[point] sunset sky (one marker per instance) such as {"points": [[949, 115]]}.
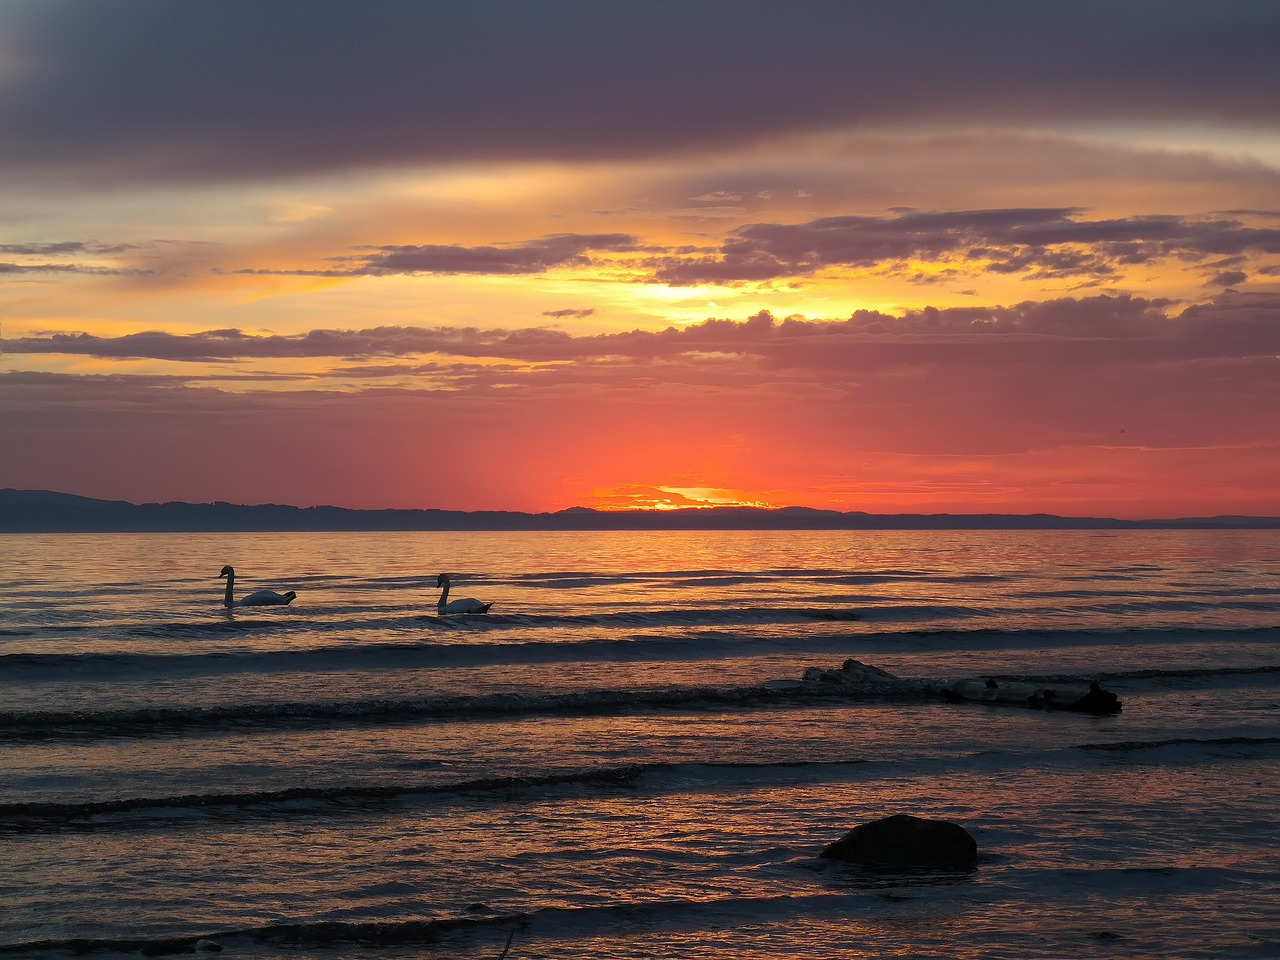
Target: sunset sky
{"points": [[893, 256]]}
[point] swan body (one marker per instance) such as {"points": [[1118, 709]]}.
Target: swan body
{"points": [[462, 605], [259, 598]]}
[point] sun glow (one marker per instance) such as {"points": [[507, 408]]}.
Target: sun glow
{"points": [[668, 498]]}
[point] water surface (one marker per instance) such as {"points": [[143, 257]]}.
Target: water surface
{"points": [[618, 760]]}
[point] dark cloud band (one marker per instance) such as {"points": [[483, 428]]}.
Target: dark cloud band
{"points": [[1239, 325], [150, 89]]}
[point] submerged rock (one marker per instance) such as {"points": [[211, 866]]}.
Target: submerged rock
{"points": [[1096, 700], [856, 675], [1076, 699], [906, 842]]}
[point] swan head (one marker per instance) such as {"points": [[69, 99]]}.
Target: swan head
{"points": [[227, 572], [442, 580]]}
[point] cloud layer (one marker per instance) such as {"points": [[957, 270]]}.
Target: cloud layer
{"points": [[154, 89], [1234, 326], [1040, 244]]}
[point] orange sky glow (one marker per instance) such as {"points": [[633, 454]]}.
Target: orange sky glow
{"points": [[447, 272]]}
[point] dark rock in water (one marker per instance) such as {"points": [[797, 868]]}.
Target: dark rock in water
{"points": [[857, 666], [857, 677], [851, 672], [1096, 700], [906, 842], [1073, 698]]}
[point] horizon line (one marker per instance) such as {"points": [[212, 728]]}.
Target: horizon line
{"points": [[49, 511]]}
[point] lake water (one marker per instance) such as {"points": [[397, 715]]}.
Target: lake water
{"points": [[618, 761]]}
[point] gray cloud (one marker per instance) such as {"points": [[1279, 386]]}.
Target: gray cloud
{"points": [[569, 314], [533, 257], [63, 247], [68, 249], [1043, 243], [87, 269], [154, 89], [1052, 242], [1232, 325], [229, 345]]}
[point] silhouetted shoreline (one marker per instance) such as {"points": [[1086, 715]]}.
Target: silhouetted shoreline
{"points": [[42, 511]]}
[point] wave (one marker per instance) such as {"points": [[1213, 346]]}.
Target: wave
{"points": [[160, 721], [1127, 746], [146, 812], [429, 647], [482, 928], [477, 927], [38, 816], [337, 622], [446, 645], [363, 620], [146, 722], [372, 933], [578, 579], [151, 722], [1150, 673]]}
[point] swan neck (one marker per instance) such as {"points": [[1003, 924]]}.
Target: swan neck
{"points": [[444, 596], [227, 600]]}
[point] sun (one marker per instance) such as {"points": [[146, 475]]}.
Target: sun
{"points": [[667, 498]]}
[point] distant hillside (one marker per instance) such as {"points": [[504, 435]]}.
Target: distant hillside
{"points": [[43, 511]]}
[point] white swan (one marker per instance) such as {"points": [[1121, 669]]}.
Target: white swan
{"points": [[465, 605], [260, 598]]}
